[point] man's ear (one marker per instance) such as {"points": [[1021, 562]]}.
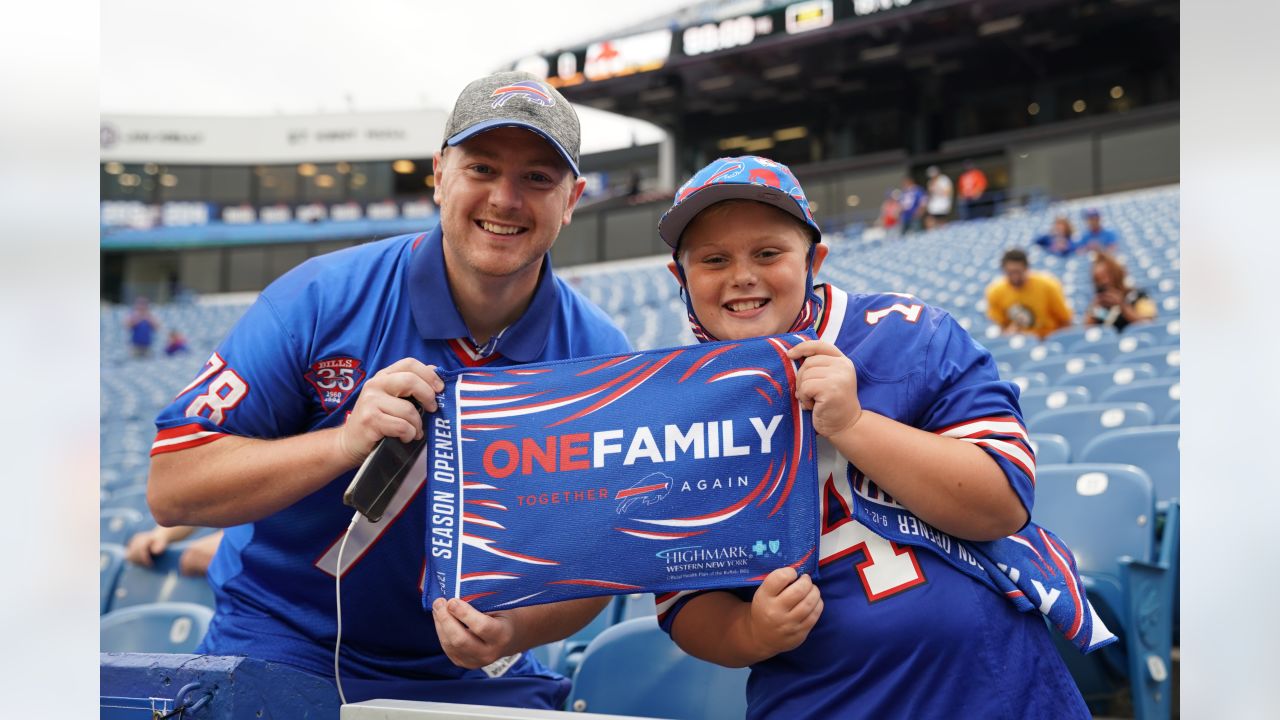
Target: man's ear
{"points": [[437, 170], [819, 254], [674, 272], [575, 192]]}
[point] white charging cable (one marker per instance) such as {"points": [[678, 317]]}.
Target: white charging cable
{"points": [[337, 591]]}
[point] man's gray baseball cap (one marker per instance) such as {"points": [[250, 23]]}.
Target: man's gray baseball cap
{"points": [[516, 99]]}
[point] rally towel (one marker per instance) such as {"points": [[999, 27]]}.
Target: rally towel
{"points": [[1033, 568], [673, 469]]}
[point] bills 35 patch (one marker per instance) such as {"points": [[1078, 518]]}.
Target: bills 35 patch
{"points": [[333, 380], [674, 469]]}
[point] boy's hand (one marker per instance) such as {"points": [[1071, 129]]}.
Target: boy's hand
{"points": [[827, 384], [783, 611]]}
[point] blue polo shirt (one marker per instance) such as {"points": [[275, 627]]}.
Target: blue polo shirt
{"points": [[295, 363]]}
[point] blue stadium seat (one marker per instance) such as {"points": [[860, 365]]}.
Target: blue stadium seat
{"points": [[133, 497], [1162, 394], [155, 628], [1156, 449], [1069, 336], [1106, 515], [1099, 379], [118, 525], [110, 561], [160, 583], [1081, 423], [1063, 365], [1019, 356], [637, 605], [1002, 342], [1050, 448], [1173, 415], [1114, 347], [1038, 400], [564, 655], [633, 668], [1166, 359], [1028, 380]]}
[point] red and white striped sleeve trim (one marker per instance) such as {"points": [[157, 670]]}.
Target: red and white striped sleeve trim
{"points": [[1004, 436], [183, 437], [665, 601]]}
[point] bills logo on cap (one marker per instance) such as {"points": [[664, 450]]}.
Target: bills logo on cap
{"points": [[527, 89], [719, 175]]}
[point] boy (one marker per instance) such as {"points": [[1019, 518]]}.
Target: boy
{"points": [[911, 414]]}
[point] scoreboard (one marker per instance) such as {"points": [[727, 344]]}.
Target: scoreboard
{"points": [[735, 25]]}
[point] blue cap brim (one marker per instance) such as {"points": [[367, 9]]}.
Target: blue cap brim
{"points": [[487, 125]]}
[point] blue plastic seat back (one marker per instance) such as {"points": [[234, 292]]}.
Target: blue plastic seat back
{"points": [[1081, 423], [1027, 380], [1155, 449], [1101, 378], [110, 562], [1050, 449], [1072, 335], [1114, 347], [633, 668], [1161, 394], [161, 582], [133, 497], [155, 628], [1037, 400], [1166, 359], [1019, 356], [1103, 512], [1061, 366], [119, 524]]}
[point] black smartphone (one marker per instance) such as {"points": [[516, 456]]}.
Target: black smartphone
{"points": [[382, 473]]}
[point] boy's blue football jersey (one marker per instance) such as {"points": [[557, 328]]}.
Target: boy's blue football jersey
{"points": [[295, 363], [903, 632]]}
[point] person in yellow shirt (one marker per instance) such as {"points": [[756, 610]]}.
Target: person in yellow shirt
{"points": [[1024, 301]]}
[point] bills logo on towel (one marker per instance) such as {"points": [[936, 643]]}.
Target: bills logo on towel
{"points": [[675, 469]]}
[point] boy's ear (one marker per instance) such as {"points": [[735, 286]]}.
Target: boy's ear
{"points": [[819, 254], [674, 272]]}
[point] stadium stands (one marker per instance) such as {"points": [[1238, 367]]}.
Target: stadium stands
{"points": [[110, 561], [1155, 449], [949, 267]]}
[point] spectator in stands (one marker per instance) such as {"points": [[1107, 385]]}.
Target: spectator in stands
{"points": [[856, 643], [1116, 302], [1096, 237], [142, 326], [912, 200], [972, 185], [1060, 240], [890, 210], [194, 561], [331, 359], [1025, 301], [176, 344], [940, 194]]}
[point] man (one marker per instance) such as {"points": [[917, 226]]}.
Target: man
{"points": [[1025, 301], [939, 203], [325, 364], [1097, 237], [912, 201], [972, 184]]}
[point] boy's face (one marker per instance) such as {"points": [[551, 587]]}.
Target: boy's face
{"points": [[745, 267]]}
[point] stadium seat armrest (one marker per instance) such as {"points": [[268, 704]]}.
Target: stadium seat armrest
{"points": [[1149, 623]]}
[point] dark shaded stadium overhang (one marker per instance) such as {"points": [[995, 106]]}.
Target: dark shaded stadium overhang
{"points": [[848, 77]]}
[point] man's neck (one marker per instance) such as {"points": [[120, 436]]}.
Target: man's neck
{"points": [[490, 304]]}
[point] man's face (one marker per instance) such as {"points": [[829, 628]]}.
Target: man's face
{"points": [[1094, 222], [1015, 272], [745, 268], [503, 196]]}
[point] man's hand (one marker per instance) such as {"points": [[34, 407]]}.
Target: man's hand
{"points": [[383, 408], [783, 611], [469, 637], [194, 561], [827, 384]]}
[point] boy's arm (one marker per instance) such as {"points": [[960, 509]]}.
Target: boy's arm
{"points": [[950, 484], [720, 628]]}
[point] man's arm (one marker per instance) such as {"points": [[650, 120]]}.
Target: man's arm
{"points": [[237, 480], [473, 639]]}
